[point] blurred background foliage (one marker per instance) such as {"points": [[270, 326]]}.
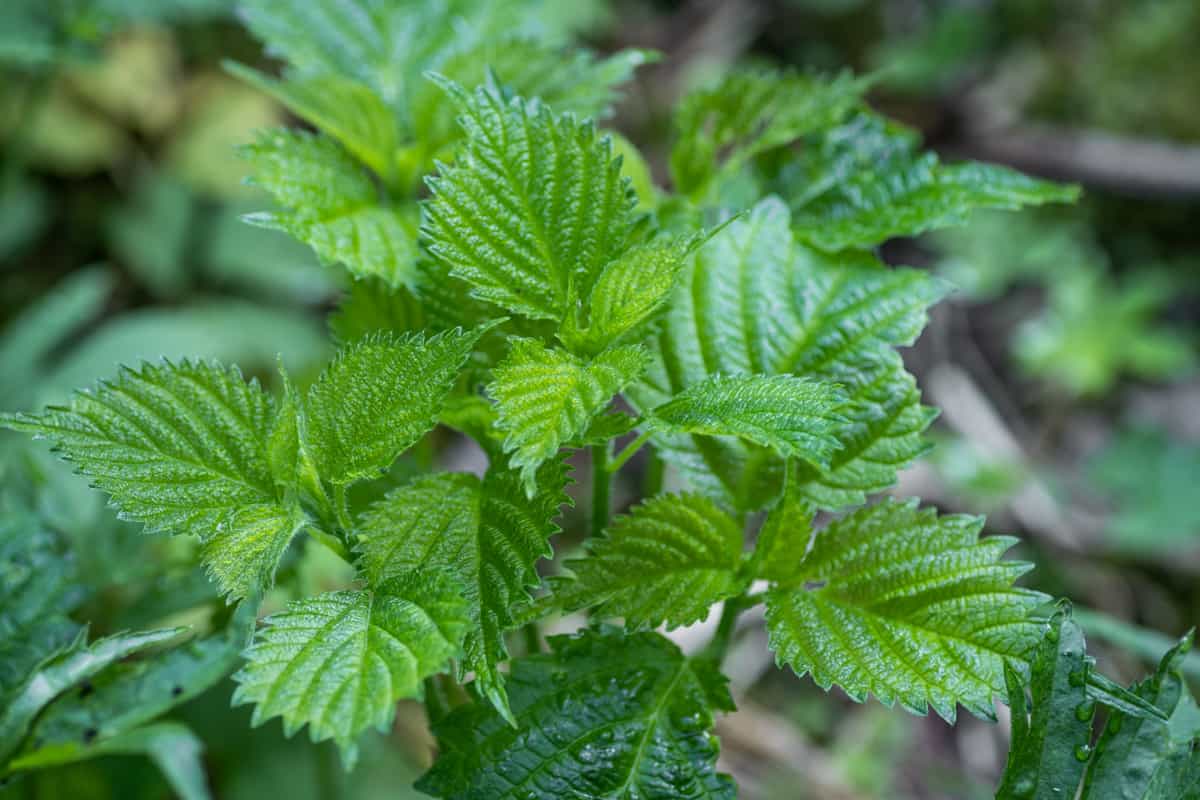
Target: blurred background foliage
{"points": [[1065, 362]]}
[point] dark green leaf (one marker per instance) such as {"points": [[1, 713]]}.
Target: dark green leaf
{"points": [[606, 714]]}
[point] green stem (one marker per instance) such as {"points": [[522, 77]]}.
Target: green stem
{"points": [[719, 645], [329, 772], [329, 540], [437, 704], [629, 451], [341, 507], [751, 600], [1146, 644], [532, 637], [652, 480], [601, 488]]}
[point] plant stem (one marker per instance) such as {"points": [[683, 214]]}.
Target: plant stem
{"points": [[329, 540], [652, 480], [532, 637], [329, 771], [719, 645], [629, 451], [601, 488], [1148, 645], [437, 705], [340, 507]]}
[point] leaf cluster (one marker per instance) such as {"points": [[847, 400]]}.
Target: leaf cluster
{"points": [[739, 326]]}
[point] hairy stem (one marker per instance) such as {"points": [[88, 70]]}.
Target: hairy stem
{"points": [[329, 540], [341, 507], [601, 488]]}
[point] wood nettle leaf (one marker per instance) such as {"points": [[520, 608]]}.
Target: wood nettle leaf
{"points": [[895, 601], [867, 181], [331, 204], [244, 552], [378, 396], [488, 533], [566, 79], [339, 662], [753, 301], [669, 560], [630, 293], [605, 714], [533, 208], [348, 111], [126, 695], [1143, 758], [38, 589], [63, 670], [1145, 750], [545, 397], [795, 417], [1042, 760], [719, 128], [178, 447]]}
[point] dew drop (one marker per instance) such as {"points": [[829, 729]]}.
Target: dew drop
{"points": [[1052, 634], [1083, 752], [1085, 710], [1077, 678], [1024, 787]]}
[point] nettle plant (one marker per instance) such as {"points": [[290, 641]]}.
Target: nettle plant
{"points": [[513, 285]]}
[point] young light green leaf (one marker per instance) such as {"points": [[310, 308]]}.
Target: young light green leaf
{"points": [[547, 397], [242, 555], [605, 714], [630, 292], [378, 396], [339, 662], [533, 208], [783, 539], [753, 301], [179, 447], [333, 206], [668, 561], [422, 525], [489, 534], [894, 601], [795, 417], [750, 112], [867, 181], [1042, 762]]}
